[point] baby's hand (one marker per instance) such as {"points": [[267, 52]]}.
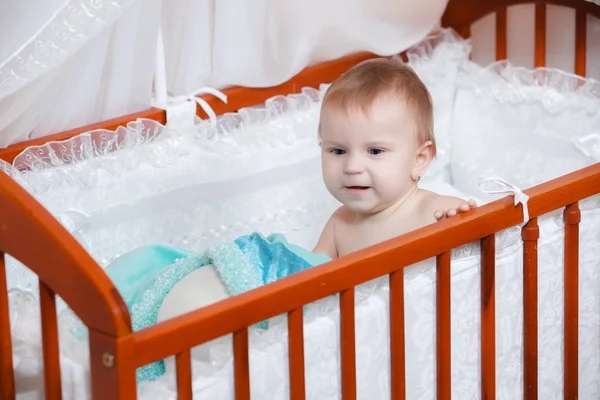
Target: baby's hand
{"points": [[462, 208]]}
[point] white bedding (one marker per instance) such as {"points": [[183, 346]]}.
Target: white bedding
{"points": [[192, 188]]}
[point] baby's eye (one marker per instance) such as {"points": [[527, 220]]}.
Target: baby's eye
{"points": [[338, 152], [375, 152]]}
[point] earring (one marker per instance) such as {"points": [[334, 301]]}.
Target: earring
{"points": [[418, 178]]}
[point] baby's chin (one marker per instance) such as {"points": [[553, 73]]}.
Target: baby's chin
{"points": [[364, 208]]}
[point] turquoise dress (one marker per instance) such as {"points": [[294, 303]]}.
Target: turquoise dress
{"points": [[146, 275]]}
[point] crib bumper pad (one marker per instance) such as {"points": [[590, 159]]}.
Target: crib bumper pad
{"points": [[146, 275]]}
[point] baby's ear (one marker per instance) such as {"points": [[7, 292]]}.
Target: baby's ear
{"points": [[423, 158]]}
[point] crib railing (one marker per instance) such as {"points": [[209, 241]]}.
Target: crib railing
{"points": [[461, 14], [28, 232], [116, 352], [342, 275]]}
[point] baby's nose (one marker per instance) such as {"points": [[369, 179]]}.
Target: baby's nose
{"points": [[354, 165]]}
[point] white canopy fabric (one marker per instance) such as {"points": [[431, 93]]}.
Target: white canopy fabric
{"points": [[67, 63]]}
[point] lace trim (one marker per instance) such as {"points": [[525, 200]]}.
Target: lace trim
{"points": [[68, 29], [445, 43], [88, 145], [8, 169], [552, 88]]}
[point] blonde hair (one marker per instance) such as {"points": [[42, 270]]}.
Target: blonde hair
{"points": [[366, 82]]}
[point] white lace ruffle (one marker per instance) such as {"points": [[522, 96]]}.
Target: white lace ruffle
{"points": [[69, 28], [554, 89], [446, 45], [87, 146], [8, 169]]}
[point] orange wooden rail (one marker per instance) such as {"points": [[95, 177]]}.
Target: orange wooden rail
{"points": [[115, 356], [343, 274], [116, 352], [572, 217], [442, 332], [397, 334], [488, 317], [7, 384], [530, 235]]}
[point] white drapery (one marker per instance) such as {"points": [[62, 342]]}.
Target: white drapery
{"points": [[72, 63], [67, 63]]}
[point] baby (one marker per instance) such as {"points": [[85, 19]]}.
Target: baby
{"points": [[376, 133]]}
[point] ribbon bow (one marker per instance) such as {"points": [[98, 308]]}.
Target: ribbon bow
{"points": [[505, 187], [192, 97], [182, 109], [203, 104]]}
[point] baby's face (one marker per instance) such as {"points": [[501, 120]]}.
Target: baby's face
{"points": [[367, 160]]}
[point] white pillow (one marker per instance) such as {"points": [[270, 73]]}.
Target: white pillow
{"points": [[520, 124]]}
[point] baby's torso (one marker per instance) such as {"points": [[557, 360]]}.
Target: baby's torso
{"points": [[351, 237]]}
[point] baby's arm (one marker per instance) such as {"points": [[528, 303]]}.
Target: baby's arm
{"points": [[326, 243], [448, 206]]}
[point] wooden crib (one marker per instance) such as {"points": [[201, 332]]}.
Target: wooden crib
{"points": [[116, 351]]}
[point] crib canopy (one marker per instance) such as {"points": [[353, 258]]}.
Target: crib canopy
{"points": [[68, 63]]}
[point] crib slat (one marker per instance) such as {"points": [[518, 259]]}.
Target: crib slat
{"points": [[241, 365], [296, 354], [443, 363], [580, 42], [7, 378], [501, 34], [348, 349], [488, 318], [571, 218], [50, 344], [397, 352], [530, 235], [183, 365], [540, 35]]}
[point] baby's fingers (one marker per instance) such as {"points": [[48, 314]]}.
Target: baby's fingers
{"points": [[465, 207], [438, 215]]}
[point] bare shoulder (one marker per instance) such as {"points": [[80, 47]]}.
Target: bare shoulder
{"points": [[434, 201], [326, 244], [448, 202], [445, 206]]}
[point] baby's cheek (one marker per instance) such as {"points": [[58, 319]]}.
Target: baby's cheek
{"points": [[331, 170]]}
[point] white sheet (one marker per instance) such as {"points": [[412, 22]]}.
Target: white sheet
{"points": [[164, 187]]}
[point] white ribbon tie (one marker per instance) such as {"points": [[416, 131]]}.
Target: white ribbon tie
{"points": [[181, 110], [203, 104], [507, 188]]}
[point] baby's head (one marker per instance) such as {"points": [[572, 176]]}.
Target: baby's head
{"points": [[376, 133]]}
